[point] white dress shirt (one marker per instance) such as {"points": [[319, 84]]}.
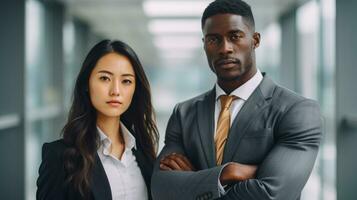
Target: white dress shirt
{"points": [[124, 176], [243, 93]]}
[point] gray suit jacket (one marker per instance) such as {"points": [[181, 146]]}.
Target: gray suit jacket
{"points": [[276, 129]]}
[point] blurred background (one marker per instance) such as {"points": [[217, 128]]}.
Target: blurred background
{"points": [[307, 46]]}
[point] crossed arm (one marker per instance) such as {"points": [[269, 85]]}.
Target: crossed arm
{"points": [[232, 172], [281, 176]]}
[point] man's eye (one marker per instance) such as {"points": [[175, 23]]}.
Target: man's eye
{"points": [[212, 40], [236, 36]]}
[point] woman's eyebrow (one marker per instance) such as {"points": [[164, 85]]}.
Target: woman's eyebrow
{"points": [[105, 71], [128, 75]]}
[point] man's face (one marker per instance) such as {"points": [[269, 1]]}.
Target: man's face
{"points": [[229, 43]]}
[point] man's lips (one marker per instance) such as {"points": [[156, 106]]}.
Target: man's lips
{"points": [[227, 62]]}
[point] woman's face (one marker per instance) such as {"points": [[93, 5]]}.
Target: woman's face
{"points": [[112, 85]]}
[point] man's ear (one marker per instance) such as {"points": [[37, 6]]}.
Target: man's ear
{"points": [[256, 39]]}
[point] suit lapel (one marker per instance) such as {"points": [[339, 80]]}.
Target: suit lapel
{"points": [[100, 184], [252, 107], [205, 112]]}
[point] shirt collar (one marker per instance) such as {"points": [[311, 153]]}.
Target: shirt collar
{"points": [[129, 139], [245, 90]]}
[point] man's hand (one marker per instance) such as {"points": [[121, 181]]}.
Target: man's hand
{"points": [[234, 172], [176, 161]]}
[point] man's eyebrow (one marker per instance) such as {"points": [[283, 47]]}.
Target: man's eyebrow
{"points": [[211, 34], [230, 32], [236, 31]]}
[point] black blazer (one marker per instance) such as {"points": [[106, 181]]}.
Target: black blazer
{"points": [[51, 181]]}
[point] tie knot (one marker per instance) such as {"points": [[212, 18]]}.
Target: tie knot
{"points": [[226, 101]]}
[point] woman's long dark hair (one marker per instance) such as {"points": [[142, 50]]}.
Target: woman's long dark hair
{"points": [[80, 133]]}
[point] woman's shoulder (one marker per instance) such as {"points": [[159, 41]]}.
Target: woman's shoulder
{"points": [[56, 147]]}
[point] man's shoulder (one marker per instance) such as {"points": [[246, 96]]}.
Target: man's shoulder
{"points": [[287, 95], [189, 107], [286, 98], [194, 100]]}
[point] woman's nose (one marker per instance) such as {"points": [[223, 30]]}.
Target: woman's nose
{"points": [[115, 89]]}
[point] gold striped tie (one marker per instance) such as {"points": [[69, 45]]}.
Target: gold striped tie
{"points": [[223, 126]]}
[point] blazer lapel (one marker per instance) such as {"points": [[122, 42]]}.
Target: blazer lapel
{"points": [[145, 166], [100, 184], [252, 107], [205, 112]]}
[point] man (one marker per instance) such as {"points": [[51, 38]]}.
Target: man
{"points": [[247, 138]]}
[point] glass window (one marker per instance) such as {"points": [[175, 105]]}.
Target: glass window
{"points": [[42, 93], [316, 58], [268, 53]]}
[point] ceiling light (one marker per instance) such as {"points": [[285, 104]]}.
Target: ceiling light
{"points": [[159, 26], [178, 41], [174, 8], [174, 54]]}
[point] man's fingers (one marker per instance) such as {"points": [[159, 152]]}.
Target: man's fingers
{"points": [[188, 163], [252, 169], [170, 163], [177, 162], [180, 162], [246, 171], [165, 167]]}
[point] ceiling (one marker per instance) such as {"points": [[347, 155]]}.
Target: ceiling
{"points": [[162, 36]]}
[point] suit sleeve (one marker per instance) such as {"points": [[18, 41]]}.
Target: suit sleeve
{"points": [[50, 183], [177, 185], [284, 172]]}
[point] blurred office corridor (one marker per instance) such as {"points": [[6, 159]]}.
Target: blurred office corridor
{"points": [[307, 46]]}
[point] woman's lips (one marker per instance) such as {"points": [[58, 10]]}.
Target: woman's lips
{"points": [[114, 103]]}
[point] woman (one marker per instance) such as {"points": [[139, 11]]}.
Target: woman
{"points": [[109, 142]]}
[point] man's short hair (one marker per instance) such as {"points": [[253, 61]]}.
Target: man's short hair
{"points": [[237, 7]]}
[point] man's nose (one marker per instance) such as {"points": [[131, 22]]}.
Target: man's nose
{"points": [[226, 47]]}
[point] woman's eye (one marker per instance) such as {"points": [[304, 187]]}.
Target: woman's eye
{"points": [[104, 78], [127, 81]]}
